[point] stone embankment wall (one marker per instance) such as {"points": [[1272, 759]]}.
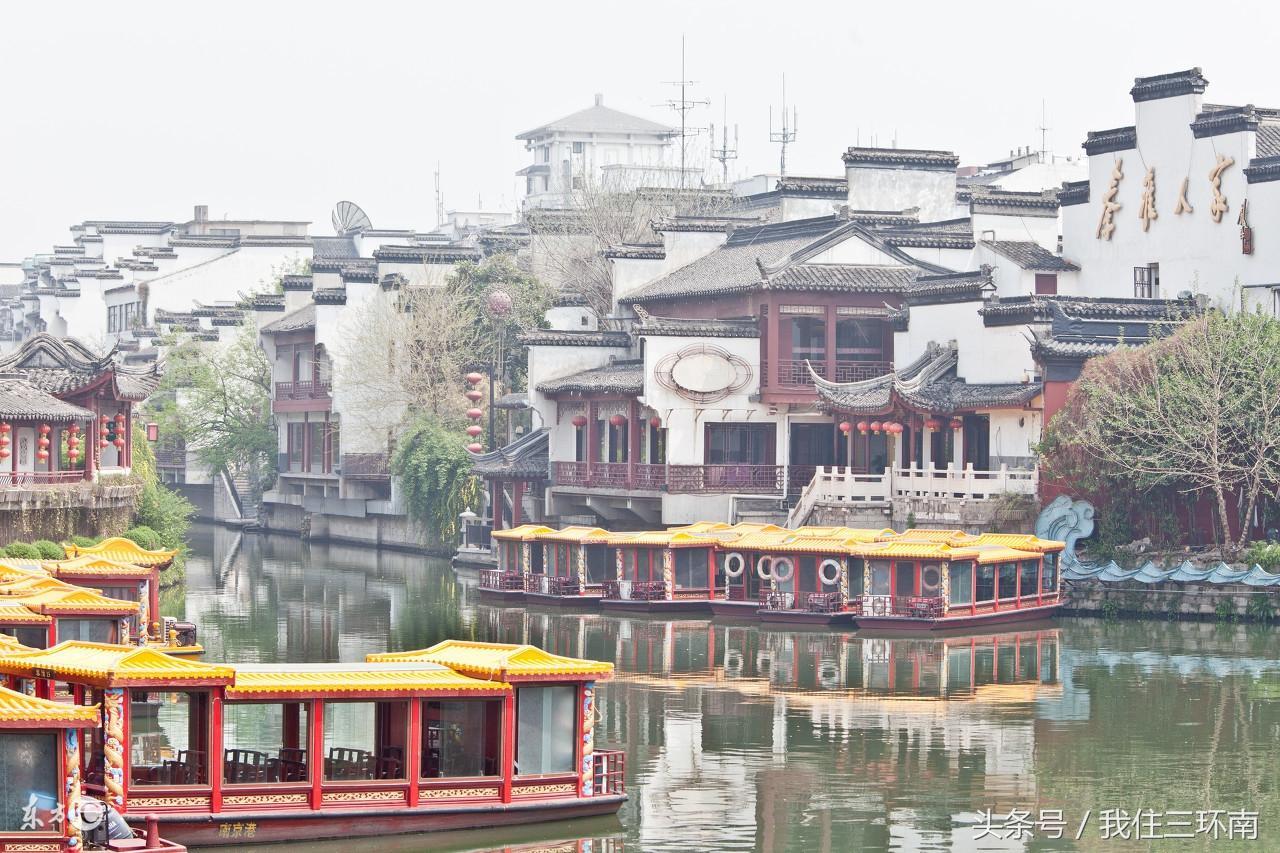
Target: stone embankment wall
{"points": [[1193, 601], [377, 531], [971, 516], [56, 512]]}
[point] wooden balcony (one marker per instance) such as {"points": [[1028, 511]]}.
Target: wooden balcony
{"points": [[611, 475], [793, 374], [23, 479], [675, 479], [366, 466], [309, 396]]}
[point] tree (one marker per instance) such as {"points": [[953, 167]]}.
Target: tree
{"points": [[498, 341], [1196, 412], [219, 402], [567, 246], [435, 470]]}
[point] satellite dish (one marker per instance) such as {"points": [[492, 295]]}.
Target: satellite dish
{"points": [[348, 218]]}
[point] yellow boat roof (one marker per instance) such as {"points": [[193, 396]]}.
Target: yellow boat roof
{"points": [[408, 678], [77, 599], [1000, 554], [576, 534], [922, 534], [17, 710], [108, 665], [660, 538], [14, 613], [93, 565], [1020, 542], [522, 533], [124, 551], [9, 645], [501, 661]]}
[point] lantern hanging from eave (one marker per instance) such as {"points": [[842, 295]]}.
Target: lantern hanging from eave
{"points": [[933, 424], [863, 426], [4, 451], [846, 427], [579, 421], [119, 442], [474, 378], [5, 428], [618, 420], [957, 423], [875, 426], [45, 429], [655, 422]]}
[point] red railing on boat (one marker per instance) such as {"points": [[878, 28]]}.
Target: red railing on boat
{"points": [[634, 590], [507, 581], [550, 585], [808, 602], [913, 606], [609, 772]]}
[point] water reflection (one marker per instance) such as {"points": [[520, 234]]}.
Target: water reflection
{"points": [[739, 738]]}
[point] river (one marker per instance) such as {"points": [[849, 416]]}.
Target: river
{"points": [[739, 738]]}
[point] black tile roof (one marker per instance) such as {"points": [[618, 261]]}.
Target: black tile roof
{"points": [[527, 457], [990, 200], [947, 234], [330, 296], [928, 385], [513, 400], [1020, 310], [844, 278], [1031, 256], [690, 327], [296, 282], [966, 286], [63, 365], [637, 251], [813, 186], [426, 254], [209, 241], [334, 247], [1074, 192], [1263, 169], [617, 377], [1115, 139], [20, 400], [902, 158], [344, 266], [562, 338], [1191, 81]]}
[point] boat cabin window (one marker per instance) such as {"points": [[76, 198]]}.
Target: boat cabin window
{"points": [[31, 636], [89, 630], [559, 559], [29, 794], [461, 738], [510, 554], [1049, 577], [690, 567], [807, 573], [1007, 579], [601, 563], [365, 740], [880, 577], [536, 564], [641, 564], [1027, 578], [961, 583], [986, 591], [168, 738], [904, 578], [931, 580], [265, 742], [546, 730], [856, 576]]}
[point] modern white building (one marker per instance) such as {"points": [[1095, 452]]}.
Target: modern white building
{"points": [[598, 147]]}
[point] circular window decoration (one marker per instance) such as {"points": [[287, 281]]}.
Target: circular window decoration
{"points": [[930, 578], [703, 373], [783, 570], [764, 568], [734, 564], [829, 571]]}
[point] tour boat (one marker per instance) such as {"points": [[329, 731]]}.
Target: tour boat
{"points": [[460, 735], [576, 561], [519, 558]]}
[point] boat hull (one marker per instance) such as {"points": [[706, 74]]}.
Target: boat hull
{"points": [[564, 602], [662, 605], [227, 828], [803, 617], [502, 596], [895, 624]]}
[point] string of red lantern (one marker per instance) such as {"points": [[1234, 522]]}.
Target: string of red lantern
{"points": [[474, 394]]}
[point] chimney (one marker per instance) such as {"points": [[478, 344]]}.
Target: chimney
{"points": [[599, 100], [202, 213]]}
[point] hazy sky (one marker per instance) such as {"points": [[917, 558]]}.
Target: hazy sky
{"points": [[277, 110]]}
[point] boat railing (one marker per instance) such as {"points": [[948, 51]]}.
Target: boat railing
{"points": [[552, 585], [926, 607], [609, 771], [810, 602], [649, 591], [491, 579], [735, 593]]}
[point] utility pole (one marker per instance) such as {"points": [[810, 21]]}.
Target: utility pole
{"points": [[439, 198], [787, 133], [1044, 132], [724, 153], [683, 105]]}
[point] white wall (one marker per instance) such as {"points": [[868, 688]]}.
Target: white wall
{"points": [[549, 362], [932, 191]]}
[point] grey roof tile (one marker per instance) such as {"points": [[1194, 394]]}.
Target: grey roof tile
{"points": [[618, 377], [1031, 256], [599, 119], [297, 321], [526, 457]]}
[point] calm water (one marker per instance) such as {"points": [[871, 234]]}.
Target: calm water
{"points": [[743, 739]]}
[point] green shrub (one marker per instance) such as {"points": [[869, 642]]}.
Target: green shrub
{"points": [[1225, 610], [22, 551], [1261, 608], [1265, 554], [49, 550], [3, 553], [143, 537], [85, 541]]}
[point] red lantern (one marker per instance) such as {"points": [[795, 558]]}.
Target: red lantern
{"points": [[4, 428], [875, 426], [72, 442], [73, 454], [42, 454], [474, 395], [846, 427], [863, 426], [475, 447], [655, 422], [474, 430], [474, 414], [956, 423], [45, 429], [474, 378], [933, 424], [618, 420], [579, 421], [4, 453], [897, 428], [103, 443], [119, 444]]}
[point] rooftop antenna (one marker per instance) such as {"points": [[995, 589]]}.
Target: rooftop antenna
{"points": [[787, 133], [684, 105], [439, 198], [724, 153], [1044, 131]]}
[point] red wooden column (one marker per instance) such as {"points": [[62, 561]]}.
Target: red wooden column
{"points": [[316, 736], [413, 761], [215, 750], [508, 745], [633, 441], [711, 573], [517, 500], [769, 330], [830, 321]]}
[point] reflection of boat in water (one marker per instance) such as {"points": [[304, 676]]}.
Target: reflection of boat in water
{"points": [[917, 580], [404, 742]]}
